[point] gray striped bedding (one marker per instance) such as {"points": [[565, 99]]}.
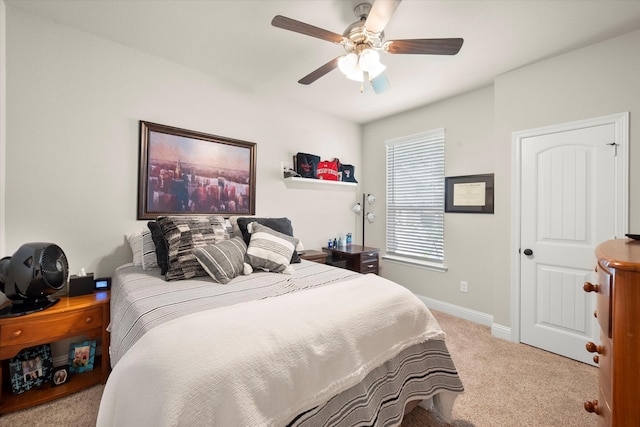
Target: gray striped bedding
{"points": [[142, 299]]}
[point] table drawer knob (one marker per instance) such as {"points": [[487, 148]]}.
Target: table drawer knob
{"points": [[17, 333], [590, 287], [592, 406], [593, 348]]}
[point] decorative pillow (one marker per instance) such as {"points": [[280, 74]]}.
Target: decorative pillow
{"points": [[282, 225], [223, 261], [183, 234], [162, 248], [269, 249]]}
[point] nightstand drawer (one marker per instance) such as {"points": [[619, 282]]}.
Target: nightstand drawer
{"points": [[40, 328], [369, 267]]}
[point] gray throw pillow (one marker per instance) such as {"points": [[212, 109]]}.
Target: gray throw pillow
{"points": [[224, 260]]}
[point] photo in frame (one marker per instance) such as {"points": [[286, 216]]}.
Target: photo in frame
{"points": [[469, 194], [82, 356], [184, 172], [30, 369], [60, 375]]}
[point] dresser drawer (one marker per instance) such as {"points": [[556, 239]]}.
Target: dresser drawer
{"points": [[604, 300], [37, 329]]}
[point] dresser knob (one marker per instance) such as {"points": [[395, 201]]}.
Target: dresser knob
{"points": [[17, 333], [592, 406], [596, 359], [593, 348], [590, 287], [595, 314], [88, 319]]}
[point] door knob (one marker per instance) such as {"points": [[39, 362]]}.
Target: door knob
{"points": [[528, 252]]}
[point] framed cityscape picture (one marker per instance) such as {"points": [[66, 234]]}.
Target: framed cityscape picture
{"points": [[184, 172]]}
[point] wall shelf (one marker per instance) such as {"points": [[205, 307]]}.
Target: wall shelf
{"points": [[312, 181]]}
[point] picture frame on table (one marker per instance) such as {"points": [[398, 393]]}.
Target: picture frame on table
{"points": [[81, 356], [59, 375], [184, 172], [469, 194], [30, 369]]}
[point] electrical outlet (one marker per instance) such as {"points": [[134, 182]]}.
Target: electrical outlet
{"points": [[464, 286]]}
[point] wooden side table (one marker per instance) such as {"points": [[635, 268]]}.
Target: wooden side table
{"points": [[362, 259], [315, 256], [86, 315]]}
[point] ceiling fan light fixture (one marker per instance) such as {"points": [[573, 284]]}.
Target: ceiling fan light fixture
{"points": [[368, 59], [348, 64]]}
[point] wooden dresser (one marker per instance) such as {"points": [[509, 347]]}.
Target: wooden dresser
{"points": [[618, 313], [362, 259]]}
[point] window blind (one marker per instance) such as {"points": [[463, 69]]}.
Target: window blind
{"points": [[415, 196]]}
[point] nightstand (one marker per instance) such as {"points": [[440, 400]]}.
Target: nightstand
{"points": [[362, 259], [315, 256], [86, 315]]}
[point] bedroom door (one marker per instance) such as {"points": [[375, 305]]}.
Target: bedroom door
{"points": [[571, 197]]}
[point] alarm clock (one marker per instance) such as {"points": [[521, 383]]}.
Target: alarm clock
{"points": [[102, 283]]}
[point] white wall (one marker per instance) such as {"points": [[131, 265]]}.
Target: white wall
{"points": [[595, 81], [469, 150], [73, 105]]}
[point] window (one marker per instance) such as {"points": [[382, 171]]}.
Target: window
{"points": [[415, 198]]}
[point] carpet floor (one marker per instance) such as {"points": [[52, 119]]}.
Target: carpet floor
{"points": [[506, 384]]}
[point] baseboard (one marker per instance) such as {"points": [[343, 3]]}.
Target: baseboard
{"points": [[498, 331]]}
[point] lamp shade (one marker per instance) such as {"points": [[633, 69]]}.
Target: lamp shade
{"points": [[349, 66]]}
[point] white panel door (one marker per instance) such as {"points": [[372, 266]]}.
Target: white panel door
{"points": [[567, 208]]}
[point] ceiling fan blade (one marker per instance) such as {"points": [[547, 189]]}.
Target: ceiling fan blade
{"points": [[306, 29], [380, 14], [380, 83], [424, 46], [319, 72]]}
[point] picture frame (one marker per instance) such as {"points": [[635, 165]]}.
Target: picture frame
{"points": [[59, 375], [81, 356], [184, 172], [469, 194], [30, 369]]}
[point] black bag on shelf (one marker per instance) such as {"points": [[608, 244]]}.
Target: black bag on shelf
{"points": [[306, 164], [348, 173]]}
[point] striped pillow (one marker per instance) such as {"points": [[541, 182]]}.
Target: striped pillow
{"points": [[222, 261], [183, 234], [270, 250], [149, 258]]}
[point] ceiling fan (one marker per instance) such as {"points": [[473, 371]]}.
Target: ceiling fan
{"points": [[363, 40]]}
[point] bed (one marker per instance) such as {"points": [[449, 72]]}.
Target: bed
{"points": [[319, 346]]}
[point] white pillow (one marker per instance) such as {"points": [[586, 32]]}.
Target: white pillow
{"points": [[135, 242]]}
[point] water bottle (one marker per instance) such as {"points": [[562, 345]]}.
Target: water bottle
{"points": [[330, 244]]}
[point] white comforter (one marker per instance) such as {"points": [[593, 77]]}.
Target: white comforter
{"points": [[263, 362]]}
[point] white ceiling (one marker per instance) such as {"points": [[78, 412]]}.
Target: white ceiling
{"points": [[234, 41]]}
